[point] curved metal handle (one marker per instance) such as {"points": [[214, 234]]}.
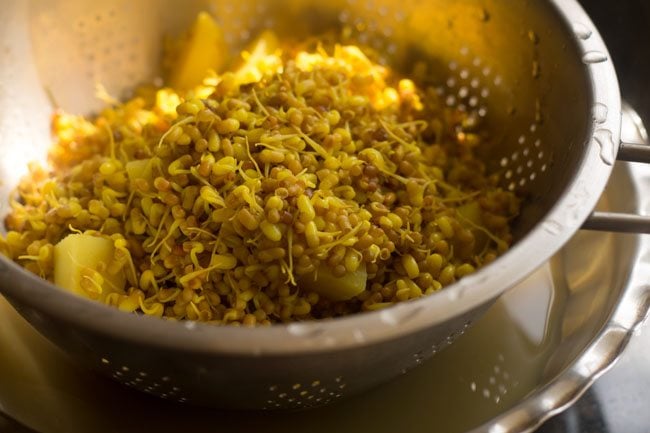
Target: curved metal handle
{"points": [[635, 148], [631, 152], [617, 222]]}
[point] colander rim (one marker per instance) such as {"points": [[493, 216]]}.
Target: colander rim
{"points": [[472, 292]]}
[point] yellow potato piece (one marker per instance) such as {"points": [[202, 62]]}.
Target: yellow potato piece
{"points": [[472, 213], [139, 169], [204, 50], [167, 101], [335, 288], [260, 57], [80, 263]]}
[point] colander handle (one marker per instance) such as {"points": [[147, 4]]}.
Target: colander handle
{"points": [[628, 152], [618, 222], [631, 152]]}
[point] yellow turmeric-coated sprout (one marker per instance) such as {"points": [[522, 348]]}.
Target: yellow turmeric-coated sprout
{"points": [[299, 184]]}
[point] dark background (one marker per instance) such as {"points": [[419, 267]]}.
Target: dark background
{"points": [[625, 26]]}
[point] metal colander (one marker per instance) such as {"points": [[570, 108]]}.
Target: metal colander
{"points": [[536, 72]]}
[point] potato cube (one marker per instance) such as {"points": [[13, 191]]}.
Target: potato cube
{"points": [[260, 58], [335, 288], [472, 218], [139, 169], [80, 263], [203, 50]]}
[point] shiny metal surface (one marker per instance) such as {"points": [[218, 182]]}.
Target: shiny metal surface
{"points": [[618, 222], [634, 152], [589, 355], [634, 149], [553, 111], [617, 403]]}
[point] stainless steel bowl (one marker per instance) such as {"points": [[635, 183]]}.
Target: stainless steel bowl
{"points": [[539, 74]]}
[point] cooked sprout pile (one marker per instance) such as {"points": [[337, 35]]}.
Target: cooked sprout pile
{"points": [[301, 184]]}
